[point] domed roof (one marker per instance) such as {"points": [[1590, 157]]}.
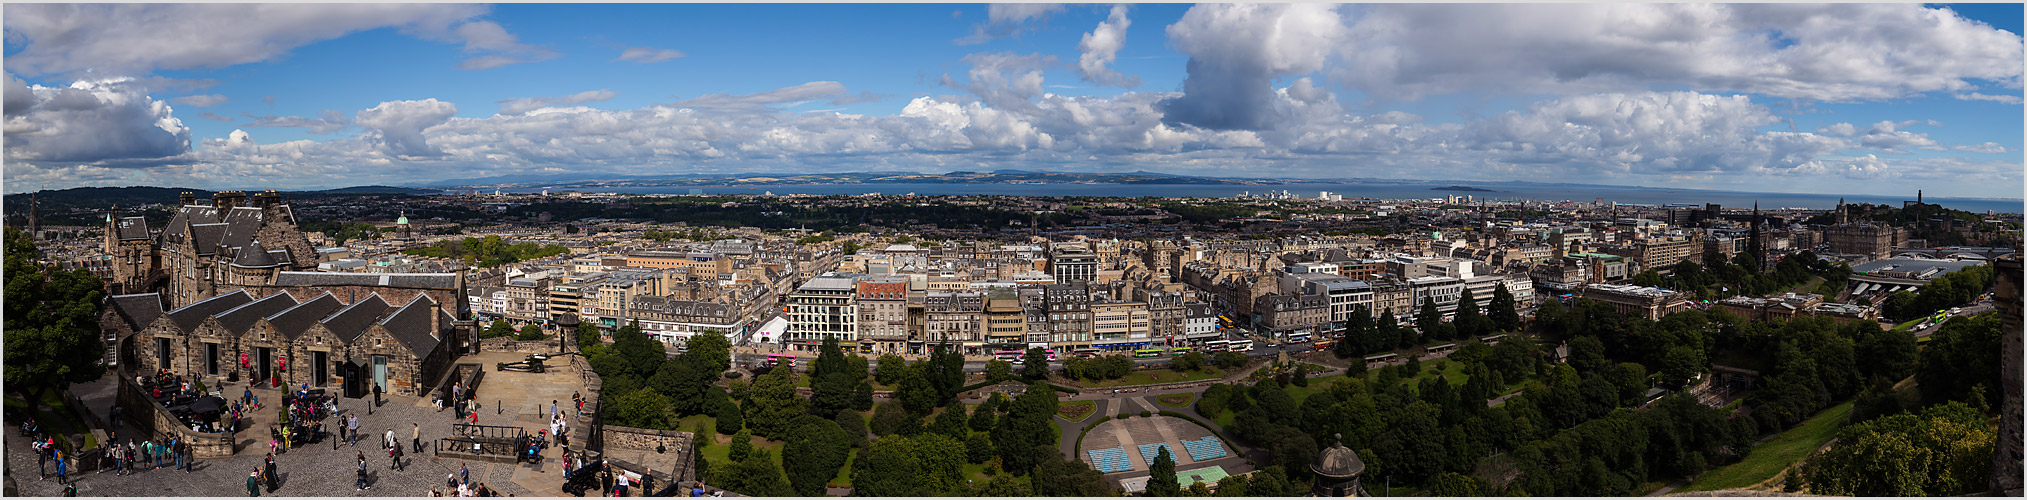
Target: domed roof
{"points": [[1337, 461], [403, 219]]}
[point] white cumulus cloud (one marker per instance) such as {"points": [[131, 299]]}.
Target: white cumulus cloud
{"points": [[397, 126], [520, 105], [90, 121], [1100, 49]]}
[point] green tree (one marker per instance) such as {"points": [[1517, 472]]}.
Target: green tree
{"points": [[708, 353], [951, 423], [816, 448], [942, 458], [730, 417], [1027, 428], [887, 468], [1504, 311], [917, 393], [997, 370], [1945, 450], [985, 414], [1429, 320], [643, 408], [500, 328], [977, 448], [1162, 482], [757, 475], [1056, 477], [742, 445], [1035, 363], [854, 426], [1961, 357], [1469, 323], [774, 404], [1451, 484], [52, 331], [893, 368], [832, 386]]}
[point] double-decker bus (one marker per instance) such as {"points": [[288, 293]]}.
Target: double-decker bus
{"points": [[1179, 351], [1324, 345], [1146, 353], [1298, 338], [1217, 345], [1086, 353], [1241, 345], [781, 359], [1008, 355]]}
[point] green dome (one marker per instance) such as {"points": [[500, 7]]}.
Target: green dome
{"points": [[402, 220]]}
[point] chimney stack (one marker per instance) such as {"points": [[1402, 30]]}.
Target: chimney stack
{"points": [[187, 198]]}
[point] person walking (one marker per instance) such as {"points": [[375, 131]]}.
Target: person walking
{"points": [[647, 482], [42, 460], [352, 424], [253, 483], [62, 470], [176, 448], [415, 436], [186, 458], [361, 471], [341, 434], [272, 482]]}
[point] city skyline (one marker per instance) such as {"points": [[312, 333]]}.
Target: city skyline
{"points": [[1820, 98]]}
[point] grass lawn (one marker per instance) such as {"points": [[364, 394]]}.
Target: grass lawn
{"points": [[1225, 419], [1162, 376], [975, 472], [1076, 411], [1176, 400], [63, 425], [1770, 458]]}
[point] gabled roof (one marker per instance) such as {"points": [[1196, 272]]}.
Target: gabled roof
{"points": [[240, 225], [205, 237], [132, 228], [292, 322], [411, 326], [187, 317], [349, 322], [139, 309], [238, 319]]}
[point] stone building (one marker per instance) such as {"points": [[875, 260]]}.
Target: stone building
{"points": [[1286, 314], [323, 342], [207, 250], [1646, 302], [883, 314]]}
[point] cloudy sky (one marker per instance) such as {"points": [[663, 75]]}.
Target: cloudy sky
{"points": [[1872, 98]]}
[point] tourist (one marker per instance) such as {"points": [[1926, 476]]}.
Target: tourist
{"points": [[552, 409], [352, 429], [272, 483], [619, 484], [41, 458], [361, 471], [186, 457], [253, 483], [415, 436], [647, 482], [148, 454], [62, 472], [176, 448]]}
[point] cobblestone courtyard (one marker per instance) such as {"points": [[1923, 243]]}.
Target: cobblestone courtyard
{"points": [[317, 469]]}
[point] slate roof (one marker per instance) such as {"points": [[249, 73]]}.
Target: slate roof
{"points": [[187, 317], [280, 256], [139, 309], [205, 237], [351, 321], [240, 225], [133, 228], [410, 324], [238, 319], [292, 322], [440, 281], [254, 256]]}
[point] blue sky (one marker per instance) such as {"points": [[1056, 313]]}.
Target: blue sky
{"points": [[1797, 98]]}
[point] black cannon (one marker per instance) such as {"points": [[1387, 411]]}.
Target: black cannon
{"points": [[532, 364], [583, 478]]}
